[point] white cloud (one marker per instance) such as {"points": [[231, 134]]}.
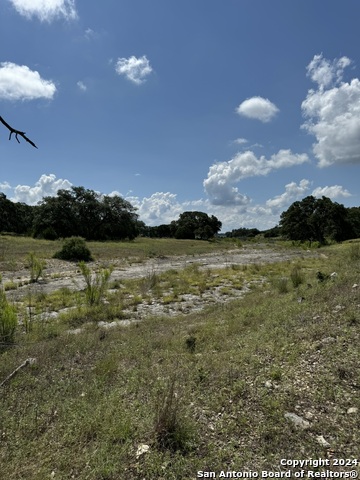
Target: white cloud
{"points": [[292, 193], [333, 114], [46, 186], [240, 141], [46, 10], [134, 69], [334, 191], [258, 108], [81, 86], [5, 186], [325, 72], [18, 82], [159, 208], [223, 175]]}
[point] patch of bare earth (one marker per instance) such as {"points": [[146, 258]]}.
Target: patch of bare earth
{"points": [[59, 274]]}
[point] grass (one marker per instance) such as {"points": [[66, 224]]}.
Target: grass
{"points": [[16, 249], [194, 389]]}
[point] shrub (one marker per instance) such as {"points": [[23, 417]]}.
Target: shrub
{"points": [[282, 285], [296, 276], [49, 233], [96, 284], [36, 267], [74, 250], [8, 320]]}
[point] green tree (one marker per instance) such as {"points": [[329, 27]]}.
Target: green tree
{"points": [[195, 225], [118, 219], [315, 219], [354, 220], [84, 213], [15, 217]]}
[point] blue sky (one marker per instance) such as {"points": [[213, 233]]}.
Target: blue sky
{"points": [[236, 108]]}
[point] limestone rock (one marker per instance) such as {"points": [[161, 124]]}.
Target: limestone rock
{"points": [[297, 420]]}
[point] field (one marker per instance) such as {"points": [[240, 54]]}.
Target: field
{"points": [[235, 384]]}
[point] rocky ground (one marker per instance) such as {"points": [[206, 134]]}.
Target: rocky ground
{"points": [[59, 274]]}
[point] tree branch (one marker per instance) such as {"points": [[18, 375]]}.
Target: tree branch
{"points": [[17, 132], [28, 361]]}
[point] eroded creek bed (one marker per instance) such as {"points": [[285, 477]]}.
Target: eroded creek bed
{"points": [[65, 275]]}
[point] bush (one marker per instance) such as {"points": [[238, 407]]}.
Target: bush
{"points": [[282, 285], [36, 267], [296, 276], [74, 250], [96, 285], [8, 321]]}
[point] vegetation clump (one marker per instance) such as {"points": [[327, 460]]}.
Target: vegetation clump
{"points": [[74, 250], [8, 321], [96, 284], [36, 267]]}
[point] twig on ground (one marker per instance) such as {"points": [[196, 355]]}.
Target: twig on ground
{"points": [[28, 361]]}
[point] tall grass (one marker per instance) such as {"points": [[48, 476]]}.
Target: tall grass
{"points": [[36, 266], [8, 321], [96, 283]]}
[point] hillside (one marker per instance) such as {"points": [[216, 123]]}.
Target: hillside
{"points": [[236, 386]]}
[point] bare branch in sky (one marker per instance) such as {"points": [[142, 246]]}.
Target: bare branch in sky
{"points": [[17, 132]]}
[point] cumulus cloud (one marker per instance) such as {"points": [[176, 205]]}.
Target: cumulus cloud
{"points": [[332, 113], [46, 10], [46, 186], [134, 69], [334, 191], [325, 72], [159, 208], [18, 82], [223, 175], [293, 192], [258, 108], [5, 186]]}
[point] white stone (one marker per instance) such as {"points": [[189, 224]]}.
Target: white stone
{"points": [[297, 421], [321, 441], [143, 448]]}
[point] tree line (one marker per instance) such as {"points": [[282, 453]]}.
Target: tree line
{"points": [[88, 214], [81, 212]]}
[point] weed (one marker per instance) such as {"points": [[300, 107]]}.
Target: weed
{"points": [[148, 283], [96, 284], [296, 276], [190, 343], [36, 267], [8, 321], [10, 286], [171, 431], [282, 284]]}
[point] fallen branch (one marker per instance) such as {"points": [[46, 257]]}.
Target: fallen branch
{"points": [[17, 132], [28, 361]]}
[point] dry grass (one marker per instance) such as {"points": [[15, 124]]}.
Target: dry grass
{"points": [[214, 402]]}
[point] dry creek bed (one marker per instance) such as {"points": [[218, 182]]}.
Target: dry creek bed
{"points": [[59, 274]]}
